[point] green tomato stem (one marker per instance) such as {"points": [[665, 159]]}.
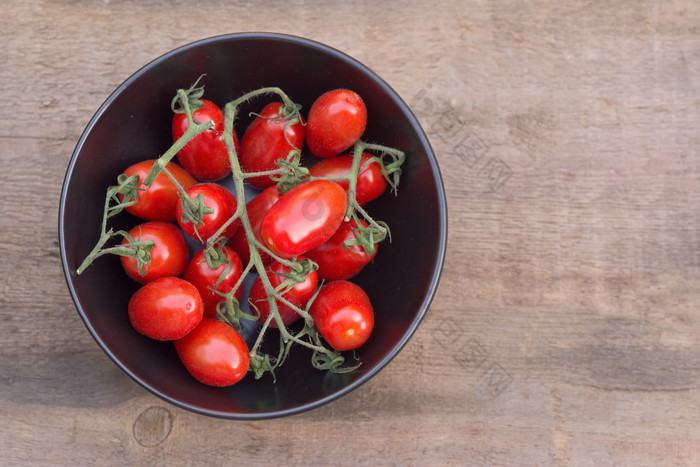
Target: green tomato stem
{"points": [[238, 178], [289, 171]]}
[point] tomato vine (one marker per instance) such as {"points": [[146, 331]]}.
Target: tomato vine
{"points": [[288, 174]]}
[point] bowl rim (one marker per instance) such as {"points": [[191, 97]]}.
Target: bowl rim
{"points": [[442, 207]]}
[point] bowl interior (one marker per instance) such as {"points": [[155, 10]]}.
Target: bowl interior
{"points": [[134, 124]]}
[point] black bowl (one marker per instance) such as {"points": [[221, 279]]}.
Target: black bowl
{"points": [[134, 124]]}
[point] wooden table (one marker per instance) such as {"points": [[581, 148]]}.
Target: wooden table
{"points": [[566, 328]]}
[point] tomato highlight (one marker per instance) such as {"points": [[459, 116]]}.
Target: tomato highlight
{"points": [[159, 201], [370, 182], [343, 315], [205, 156], [222, 205], [214, 353], [169, 256], [269, 137], [336, 121], [303, 218], [213, 284], [166, 309], [298, 295], [337, 261]]}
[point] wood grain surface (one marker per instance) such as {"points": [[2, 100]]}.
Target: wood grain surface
{"points": [[566, 328]]}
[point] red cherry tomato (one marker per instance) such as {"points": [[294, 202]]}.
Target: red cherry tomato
{"points": [[204, 278], [165, 309], [204, 156], [370, 181], [343, 315], [221, 201], [158, 202], [256, 208], [214, 353], [264, 142], [335, 262], [303, 218], [337, 120], [168, 257], [298, 295]]}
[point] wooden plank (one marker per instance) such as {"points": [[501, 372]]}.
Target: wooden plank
{"points": [[565, 329]]}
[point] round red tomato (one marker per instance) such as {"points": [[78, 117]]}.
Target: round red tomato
{"points": [[158, 202], [303, 218], [343, 315], [370, 181], [335, 262], [298, 295], [221, 201], [204, 278], [205, 155], [256, 208], [169, 256], [337, 120], [165, 309], [267, 140], [214, 353]]}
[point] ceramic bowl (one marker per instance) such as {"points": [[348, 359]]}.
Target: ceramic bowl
{"points": [[134, 124]]}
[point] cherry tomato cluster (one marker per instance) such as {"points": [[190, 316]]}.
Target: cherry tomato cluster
{"points": [[302, 233]]}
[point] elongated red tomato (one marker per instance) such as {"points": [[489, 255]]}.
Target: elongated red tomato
{"points": [[335, 262], [204, 156], [267, 139], [221, 201], [214, 353], [337, 120], [298, 295], [168, 257], [205, 279], [370, 181], [303, 218], [256, 208], [165, 309], [158, 202], [343, 315]]}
